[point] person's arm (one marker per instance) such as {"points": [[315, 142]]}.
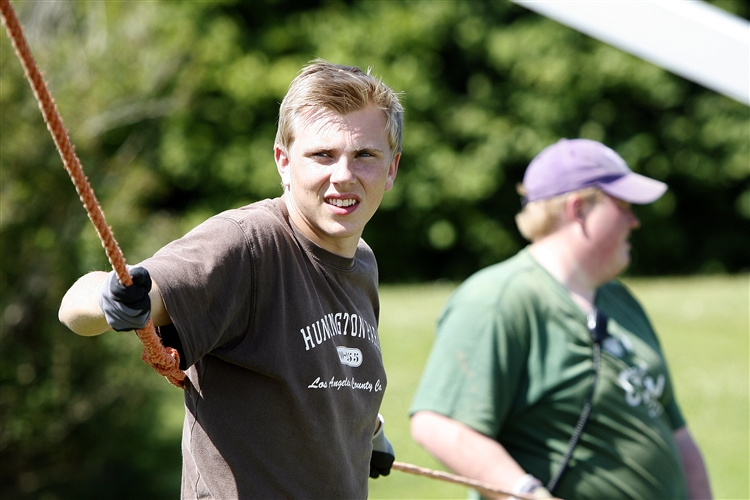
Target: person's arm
{"points": [[466, 451], [693, 465], [80, 311]]}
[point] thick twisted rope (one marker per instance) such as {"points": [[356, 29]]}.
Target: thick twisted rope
{"points": [[166, 361]]}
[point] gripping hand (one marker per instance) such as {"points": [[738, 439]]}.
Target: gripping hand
{"points": [[382, 453], [529, 485], [126, 307]]}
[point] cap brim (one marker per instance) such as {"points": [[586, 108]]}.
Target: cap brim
{"points": [[635, 188]]}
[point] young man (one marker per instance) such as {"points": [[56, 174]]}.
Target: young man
{"points": [[519, 343], [274, 307]]}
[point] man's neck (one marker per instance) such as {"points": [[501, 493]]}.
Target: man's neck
{"points": [[563, 264]]}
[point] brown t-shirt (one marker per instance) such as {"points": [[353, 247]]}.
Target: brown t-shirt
{"points": [[286, 375]]}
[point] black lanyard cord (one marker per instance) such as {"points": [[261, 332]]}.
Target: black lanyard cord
{"points": [[597, 325]]}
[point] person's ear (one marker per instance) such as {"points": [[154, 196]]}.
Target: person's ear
{"points": [[283, 165], [392, 171], [576, 208]]}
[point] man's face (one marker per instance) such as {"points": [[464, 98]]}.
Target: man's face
{"points": [[608, 226], [335, 173]]}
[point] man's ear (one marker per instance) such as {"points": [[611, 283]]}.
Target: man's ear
{"points": [[283, 165], [575, 208], [392, 171]]}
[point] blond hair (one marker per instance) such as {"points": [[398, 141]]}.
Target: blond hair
{"points": [[342, 89], [541, 217]]}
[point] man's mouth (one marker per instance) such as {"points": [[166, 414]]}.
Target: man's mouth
{"points": [[341, 203]]}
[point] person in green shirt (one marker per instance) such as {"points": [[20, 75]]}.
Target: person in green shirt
{"points": [[546, 376]]}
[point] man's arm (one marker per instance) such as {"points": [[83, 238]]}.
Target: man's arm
{"points": [[80, 311], [465, 451], [693, 466]]}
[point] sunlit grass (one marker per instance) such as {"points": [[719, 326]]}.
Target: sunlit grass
{"points": [[703, 326], [705, 332], [703, 323]]}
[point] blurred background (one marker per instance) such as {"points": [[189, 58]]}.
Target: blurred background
{"points": [[172, 107]]}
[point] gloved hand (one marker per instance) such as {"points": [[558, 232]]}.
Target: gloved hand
{"points": [[126, 308], [382, 453]]}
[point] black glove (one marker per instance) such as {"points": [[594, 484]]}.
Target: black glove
{"points": [[382, 453], [126, 307]]}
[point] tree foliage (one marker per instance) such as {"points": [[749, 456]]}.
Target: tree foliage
{"points": [[172, 107]]}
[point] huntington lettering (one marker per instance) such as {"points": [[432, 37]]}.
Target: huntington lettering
{"points": [[334, 324]]}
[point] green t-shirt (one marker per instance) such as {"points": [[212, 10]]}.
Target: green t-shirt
{"points": [[512, 359]]}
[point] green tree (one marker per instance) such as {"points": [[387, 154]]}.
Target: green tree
{"points": [[172, 107]]}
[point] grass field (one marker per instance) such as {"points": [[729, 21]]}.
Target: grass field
{"points": [[703, 323]]}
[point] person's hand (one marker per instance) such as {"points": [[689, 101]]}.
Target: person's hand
{"points": [[529, 485], [382, 453], [126, 307]]}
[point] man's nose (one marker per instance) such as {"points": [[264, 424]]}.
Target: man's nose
{"points": [[343, 171], [635, 222]]}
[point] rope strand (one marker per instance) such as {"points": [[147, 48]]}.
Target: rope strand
{"points": [[166, 361], [483, 488]]}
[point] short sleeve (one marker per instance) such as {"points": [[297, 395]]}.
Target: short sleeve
{"points": [[474, 368], [205, 279]]}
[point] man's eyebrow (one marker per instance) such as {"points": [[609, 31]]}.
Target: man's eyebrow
{"points": [[312, 148], [369, 149], [322, 148]]}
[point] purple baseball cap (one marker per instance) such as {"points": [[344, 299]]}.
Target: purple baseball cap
{"points": [[573, 164]]}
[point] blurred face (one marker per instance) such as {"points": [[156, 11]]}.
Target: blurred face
{"points": [[608, 225], [335, 174]]}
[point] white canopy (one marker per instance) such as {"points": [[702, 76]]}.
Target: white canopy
{"points": [[690, 38]]}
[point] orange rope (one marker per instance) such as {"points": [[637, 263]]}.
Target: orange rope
{"points": [[166, 361]]}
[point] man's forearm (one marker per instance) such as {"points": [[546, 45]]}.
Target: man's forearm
{"points": [[465, 451], [696, 475], [80, 311]]}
